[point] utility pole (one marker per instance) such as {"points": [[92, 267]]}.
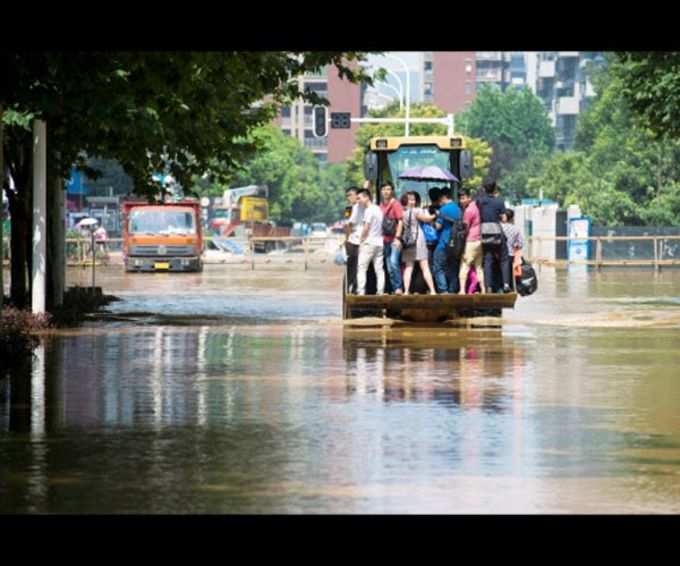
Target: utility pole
{"points": [[39, 215]]}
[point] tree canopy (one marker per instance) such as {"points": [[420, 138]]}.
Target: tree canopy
{"points": [[650, 84], [513, 122], [619, 172], [178, 112], [300, 187]]}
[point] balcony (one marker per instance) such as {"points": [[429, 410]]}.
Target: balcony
{"points": [[546, 69], [567, 105], [316, 143], [488, 56]]}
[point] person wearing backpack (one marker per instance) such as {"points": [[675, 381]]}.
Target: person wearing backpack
{"points": [[445, 263], [413, 241], [494, 247], [430, 232], [392, 228]]}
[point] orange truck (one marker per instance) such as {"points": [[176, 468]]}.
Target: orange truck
{"points": [[162, 237]]}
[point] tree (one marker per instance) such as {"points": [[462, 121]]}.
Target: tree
{"points": [[176, 112], [620, 172], [650, 85], [513, 121], [481, 150], [300, 187]]}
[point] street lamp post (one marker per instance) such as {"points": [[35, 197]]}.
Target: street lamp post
{"points": [[399, 93], [408, 89]]}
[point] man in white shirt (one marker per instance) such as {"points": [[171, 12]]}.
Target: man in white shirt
{"points": [[371, 243], [353, 234]]}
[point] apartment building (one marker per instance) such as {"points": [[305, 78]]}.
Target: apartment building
{"points": [[449, 79], [559, 79], [296, 120]]}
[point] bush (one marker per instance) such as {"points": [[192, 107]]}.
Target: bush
{"points": [[18, 333]]}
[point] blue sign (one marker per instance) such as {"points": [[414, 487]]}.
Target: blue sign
{"points": [[579, 245], [74, 185]]}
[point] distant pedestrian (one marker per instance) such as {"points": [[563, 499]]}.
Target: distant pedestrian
{"points": [[446, 268], [371, 243], [393, 225], [495, 251]]}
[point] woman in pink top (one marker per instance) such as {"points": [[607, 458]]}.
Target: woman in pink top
{"points": [[472, 256]]}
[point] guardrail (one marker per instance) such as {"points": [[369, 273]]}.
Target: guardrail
{"points": [[79, 252], [659, 244]]}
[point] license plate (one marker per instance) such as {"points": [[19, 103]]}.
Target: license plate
{"points": [[161, 265]]}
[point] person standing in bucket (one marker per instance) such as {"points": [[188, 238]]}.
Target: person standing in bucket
{"points": [[354, 218], [393, 226], [494, 248], [472, 256], [370, 243], [445, 266]]}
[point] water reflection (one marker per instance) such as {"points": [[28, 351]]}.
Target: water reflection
{"points": [[313, 417]]}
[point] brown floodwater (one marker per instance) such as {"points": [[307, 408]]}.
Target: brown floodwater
{"points": [[239, 391]]}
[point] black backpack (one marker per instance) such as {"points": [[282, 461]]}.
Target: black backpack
{"points": [[389, 225], [456, 244], [527, 283]]}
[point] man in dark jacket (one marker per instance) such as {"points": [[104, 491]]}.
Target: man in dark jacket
{"points": [[491, 207]]}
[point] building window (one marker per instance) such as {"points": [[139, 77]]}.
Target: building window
{"points": [[322, 157], [428, 65], [468, 87], [285, 112], [286, 131], [309, 134], [428, 89], [308, 110]]}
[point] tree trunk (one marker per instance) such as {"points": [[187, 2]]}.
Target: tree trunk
{"points": [[2, 219], [19, 158], [55, 242], [18, 281]]}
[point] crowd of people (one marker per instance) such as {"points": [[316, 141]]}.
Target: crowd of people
{"points": [[461, 247]]}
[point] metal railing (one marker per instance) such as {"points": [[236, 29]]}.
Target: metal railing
{"points": [[660, 248], [79, 251]]}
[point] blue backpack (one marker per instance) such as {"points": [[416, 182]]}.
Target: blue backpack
{"points": [[430, 232]]}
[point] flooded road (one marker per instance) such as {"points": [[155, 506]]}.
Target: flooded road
{"points": [[239, 391]]}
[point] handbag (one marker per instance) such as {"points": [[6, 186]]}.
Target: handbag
{"points": [[408, 240], [389, 225], [492, 234], [341, 256]]}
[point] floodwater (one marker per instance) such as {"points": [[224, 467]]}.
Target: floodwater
{"points": [[235, 391]]}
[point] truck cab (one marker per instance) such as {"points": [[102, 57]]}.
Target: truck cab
{"points": [[162, 237]]}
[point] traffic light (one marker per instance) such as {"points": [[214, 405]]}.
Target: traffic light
{"points": [[341, 120], [320, 118]]}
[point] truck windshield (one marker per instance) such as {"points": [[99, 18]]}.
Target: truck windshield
{"points": [[409, 156], [161, 222]]}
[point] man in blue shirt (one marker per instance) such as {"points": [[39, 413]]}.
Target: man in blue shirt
{"points": [[446, 268]]}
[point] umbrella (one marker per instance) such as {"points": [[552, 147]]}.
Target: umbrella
{"points": [[428, 173], [87, 223]]}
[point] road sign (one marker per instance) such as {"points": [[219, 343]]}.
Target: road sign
{"points": [[341, 120]]}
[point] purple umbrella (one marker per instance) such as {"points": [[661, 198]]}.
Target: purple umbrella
{"points": [[428, 173]]}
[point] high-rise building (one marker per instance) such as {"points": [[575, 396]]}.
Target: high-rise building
{"points": [[493, 68], [296, 120], [558, 78], [449, 79]]}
